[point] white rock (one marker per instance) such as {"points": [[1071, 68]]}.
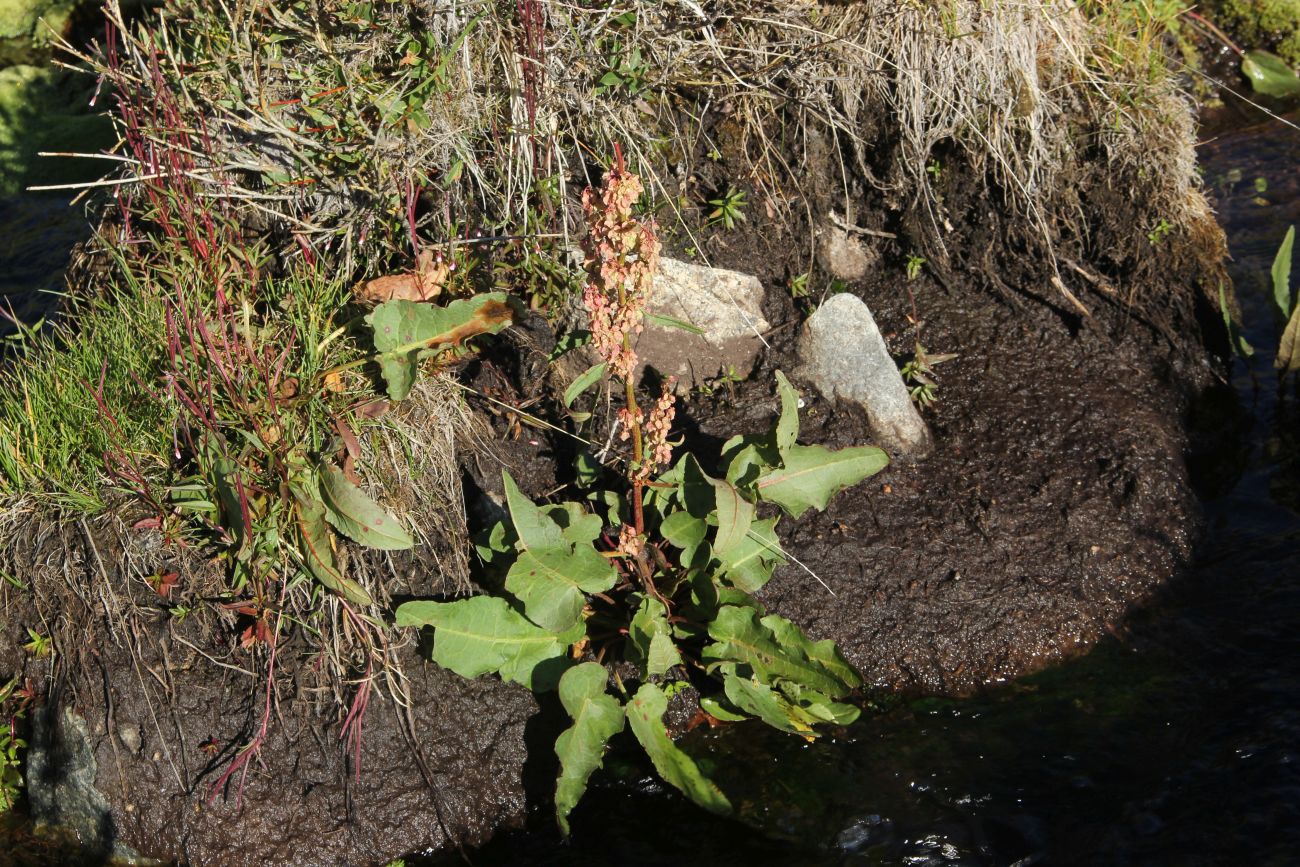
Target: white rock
{"points": [[842, 353], [726, 305]]}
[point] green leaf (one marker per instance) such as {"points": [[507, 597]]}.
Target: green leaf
{"points": [[1235, 338], [718, 710], [735, 514], [406, 331], [583, 382], [823, 652], [1288, 351], [553, 574], [1269, 74], [225, 474], [811, 475], [741, 638], [749, 463], [683, 529], [645, 713], [749, 564], [357, 516], [314, 541], [671, 322], [787, 425], [568, 342], [767, 704], [1282, 298], [576, 524], [597, 717], [814, 707], [651, 638], [483, 634]]}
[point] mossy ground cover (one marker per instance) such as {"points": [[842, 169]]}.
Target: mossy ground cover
{"points": [[1273, 24]]}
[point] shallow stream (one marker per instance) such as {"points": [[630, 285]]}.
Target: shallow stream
{"points": [[1178, 743]]}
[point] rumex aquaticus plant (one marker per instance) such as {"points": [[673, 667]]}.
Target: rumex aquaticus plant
{"points": [[620, 600]]}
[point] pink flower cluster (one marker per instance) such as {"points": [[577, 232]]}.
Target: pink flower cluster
{"points": [[630, 543], [658, 451], [621, 257]]}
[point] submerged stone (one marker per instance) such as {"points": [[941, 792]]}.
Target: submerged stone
{"points": [[843, 354]]}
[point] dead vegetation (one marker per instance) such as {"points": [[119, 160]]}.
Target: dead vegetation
{"points": [[366, 129]]}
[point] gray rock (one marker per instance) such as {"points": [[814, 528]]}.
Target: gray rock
{"points": [[726, 305], [843, 354], [61, 790]]}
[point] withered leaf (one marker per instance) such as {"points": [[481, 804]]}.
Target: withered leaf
{"points": [[423, 284]]}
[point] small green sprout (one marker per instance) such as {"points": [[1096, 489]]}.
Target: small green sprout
{"points": [[914, 263], [39, 646], [728, 208], [1160, 231], [799, 285]]}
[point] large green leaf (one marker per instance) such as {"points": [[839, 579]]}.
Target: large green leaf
{"points": [[815, 707], [1281, 271], [1288, 352], [552, 573], [823, 652], [597, 717], [314, 541], [813, 474], [749, 565], [735, 514], [357, 516], [406, 331], [1269, 74], [787, 425], [576, 524], [760, 700], [684, 530], [645, 713], [483, 634], [718, 501], [651, 638], [739, 637]]}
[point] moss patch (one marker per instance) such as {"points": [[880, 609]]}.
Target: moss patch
{"points": [[41, 110], [1271, 24], [22, 35]]}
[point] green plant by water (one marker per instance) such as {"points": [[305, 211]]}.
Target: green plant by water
{"points": [[1286, 302], [622, 599]]}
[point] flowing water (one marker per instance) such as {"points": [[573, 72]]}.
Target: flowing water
{"points": [[1179, 744]]}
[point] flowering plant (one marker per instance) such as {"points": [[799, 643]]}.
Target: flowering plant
{"points": [[647, 589]]}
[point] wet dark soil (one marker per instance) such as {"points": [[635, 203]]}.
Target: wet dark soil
{"points": [[1058, 496], [169, 704]]}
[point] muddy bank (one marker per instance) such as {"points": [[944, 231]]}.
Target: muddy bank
{"points": [[155, 711]]}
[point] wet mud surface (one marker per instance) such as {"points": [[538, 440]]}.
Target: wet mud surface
{"points": [[1056, 498], [167, 708]]}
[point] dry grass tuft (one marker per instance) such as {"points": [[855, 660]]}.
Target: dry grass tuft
{"points": [[361, 134]]}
